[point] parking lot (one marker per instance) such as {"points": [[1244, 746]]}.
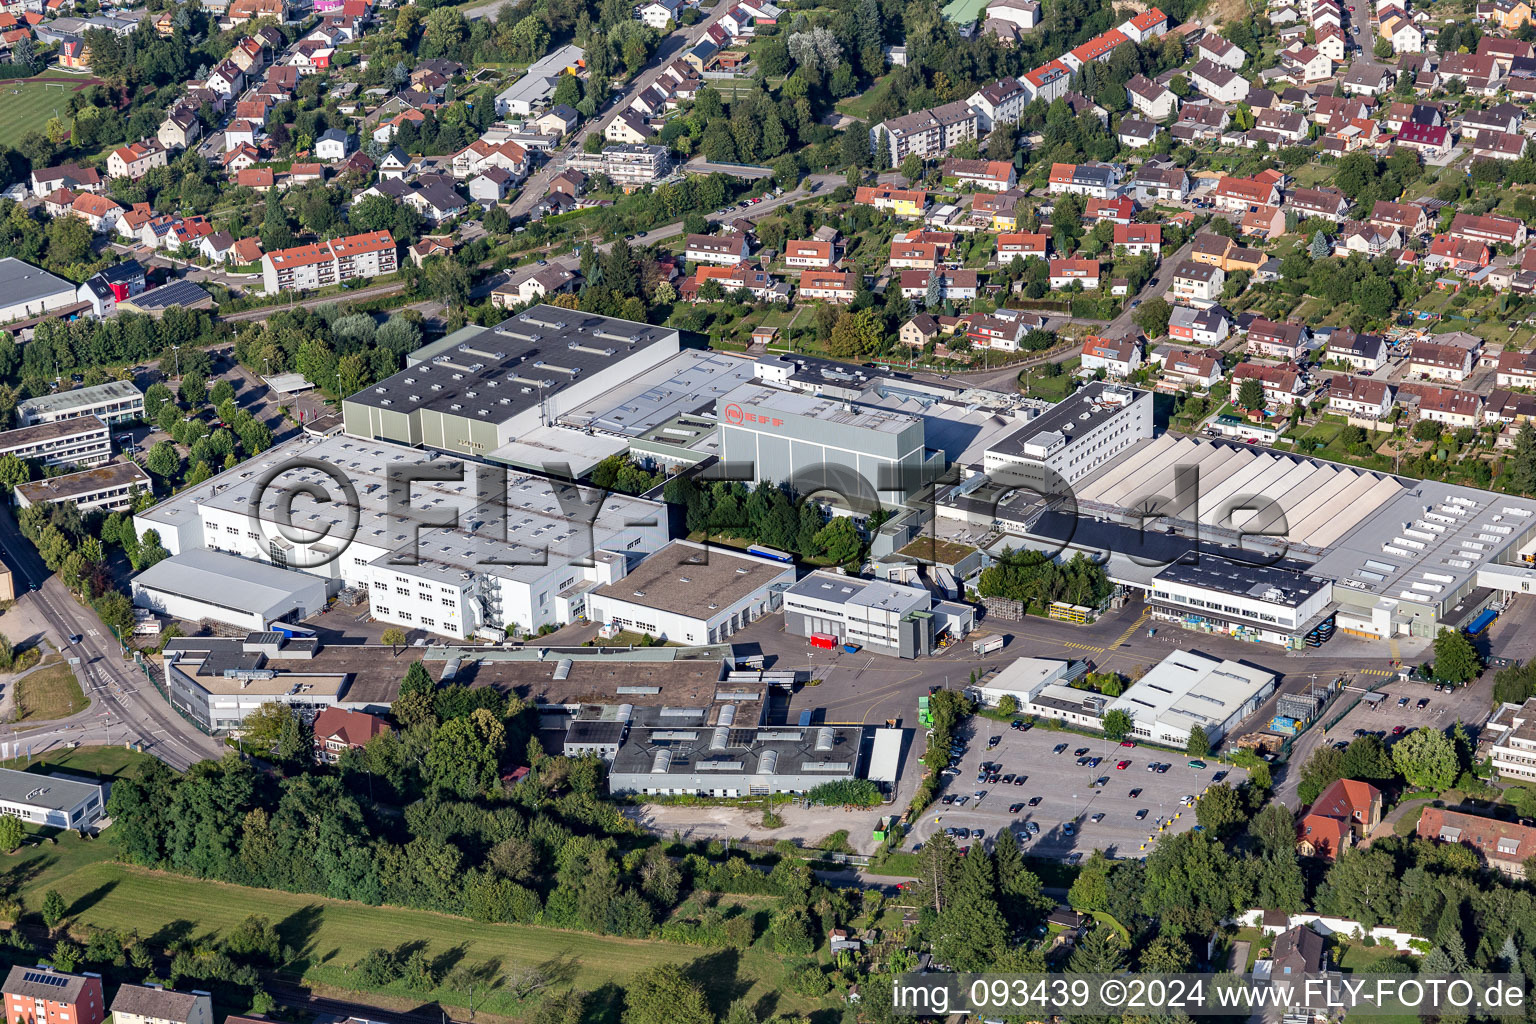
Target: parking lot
{"points": [[1069, 796], [1465, 703]]}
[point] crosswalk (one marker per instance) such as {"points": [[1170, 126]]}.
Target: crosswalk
{"points": [[1133, 627], [1082, 647], [1385, 673]]}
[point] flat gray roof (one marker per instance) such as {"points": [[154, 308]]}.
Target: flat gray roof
{"points": [[61, 401], [35, 789], [689, 382], [213, 576], [822, 585], [693, 580], [87, 481], [22, 282], [1077, 414], [831, 411], [490, 374], [39, 432]]}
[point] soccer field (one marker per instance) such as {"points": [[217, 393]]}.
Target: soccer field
{"points": [[27, 104]]}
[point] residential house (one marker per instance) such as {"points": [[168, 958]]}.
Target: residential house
{"points": [[153, 1004], [1272, 340], [1357, 351], [1203, 327], [1446, 405], [1263, 222], [68, 176], [1492, 146], [1362, 400], [1409, 218], [1001, 102], [809, 254], [337, 730], [1401, 33], [1490, 229], [1021, 245], [1218, 51], [1135, 133], [1094, 180], [954, 285], [180, 129], [1047, 82], [1190, 371], [1117, 211], [42, 995], [1516, 369], [738, 277], [333, 145], [1434, 141], [1457, 255], [1504, 846], [1160, 183], [1066, 272], [1481, 75], [928, 133], [723, 250], [903, 202], [490, 186], [1137, 239], [1368, 80], [1440, 362], [1237, 194], [1117, 357], [992, 175], [1282, 385], [1508, 15], [1306, 64], [1197, 284], [828, 285], [1219, 83], [1326, 203], [1157, 102], [136, 159]]}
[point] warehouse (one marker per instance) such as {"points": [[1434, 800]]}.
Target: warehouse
{"points": [[51, 800], [857, 455], [476, 548], [110, 488], [688, 756], [28, 291], [878, 615], [481, 388], [1188, 689], [116, 401], [195, 586], [1078, 435], [220, 681], [692, 594], [1273, 604], [1042, 687]]}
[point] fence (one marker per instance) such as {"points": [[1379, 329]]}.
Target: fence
{"points": [[150, 675]]}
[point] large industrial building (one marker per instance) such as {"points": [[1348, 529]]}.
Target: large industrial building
{"points": [[880, 616], [683, 753], [1247, 541], [481, 389], [219, 681], [1189, 689], [691, 594], [194, 586], [465, 550]]}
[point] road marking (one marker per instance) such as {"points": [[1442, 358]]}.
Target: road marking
{"points": [[1146, 613]]}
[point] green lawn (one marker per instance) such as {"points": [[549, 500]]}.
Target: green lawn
{"points": [[49, 694], [962, 11], [330, 935], [26, 105], [1050, 389], [860, 106]]}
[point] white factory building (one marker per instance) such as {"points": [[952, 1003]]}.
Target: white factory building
{"points": [[515, 550], [692, 594], [1080, 434], [880, 616], [51, 800], [1187, 689], [198, 585]]}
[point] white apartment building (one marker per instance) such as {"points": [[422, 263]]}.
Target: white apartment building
{"points": [[1074, 437], [330, 262]]}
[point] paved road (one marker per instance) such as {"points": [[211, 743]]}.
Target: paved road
{"points": [[124, 705], [672, 47]]}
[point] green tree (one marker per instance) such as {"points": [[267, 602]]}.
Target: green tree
{"points": [[54, 908], [1152, 317], [395, 637], [662, 995], [1319, 249], [11, 832], [1520, 470], [1118, 724], [1250, 394], [1426, 759], [1221, 810], [1198, 745], [465, 755], [1456, 659]]}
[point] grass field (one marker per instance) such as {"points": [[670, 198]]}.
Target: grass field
{"points": [[27, 105], [49, 694], [860, 106], [331, 935], [962, 11]]}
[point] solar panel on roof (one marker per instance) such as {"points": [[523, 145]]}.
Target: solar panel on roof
{"points": [[40, 978]]}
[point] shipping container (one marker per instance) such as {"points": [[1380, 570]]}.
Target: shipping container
{"points": [[987, 646], [825, 641]]}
